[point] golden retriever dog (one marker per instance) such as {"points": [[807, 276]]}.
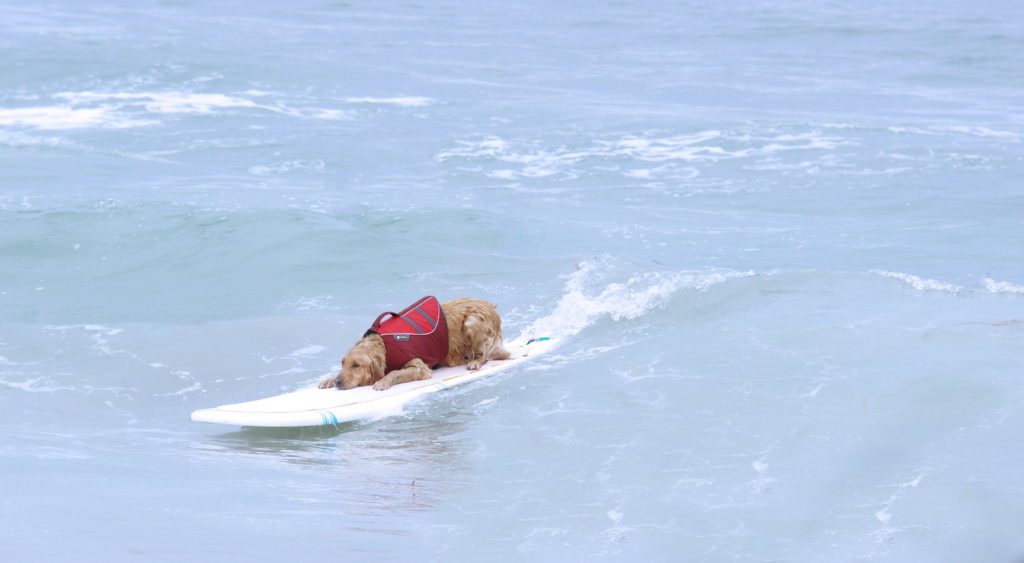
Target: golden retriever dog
{"points": [[474, 338]]}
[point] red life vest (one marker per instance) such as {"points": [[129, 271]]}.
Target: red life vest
{"points": [[419, 331]]}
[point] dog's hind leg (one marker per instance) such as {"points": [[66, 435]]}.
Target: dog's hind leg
{"points": [[413, 370]]}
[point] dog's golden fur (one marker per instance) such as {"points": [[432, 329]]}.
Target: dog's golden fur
{"points": [[474, 338]]}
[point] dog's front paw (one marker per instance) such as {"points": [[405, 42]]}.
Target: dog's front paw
{"points": [[475, 365], [382, 385], [329, 383]]}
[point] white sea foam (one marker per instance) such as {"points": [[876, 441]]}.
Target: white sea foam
{"points": [[117, 110], [884, 515], [98, 333], [65, 117], [308, 351], [114, 109], [944, 130], [993, 286], [408, 101], [334, 114], [35, 385], [316, 166], [197, 386], [103, 330], [671, 152], [918, 283], [164, 102], [53, 117], [16, 139], [580, 307], [979, 131], [641, 173]]}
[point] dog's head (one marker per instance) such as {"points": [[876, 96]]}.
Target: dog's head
{"points": [[362, 365]]}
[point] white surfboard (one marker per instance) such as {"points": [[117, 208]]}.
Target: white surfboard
{"points": [[316, 407]]}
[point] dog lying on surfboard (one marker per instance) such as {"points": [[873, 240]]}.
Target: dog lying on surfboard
{"points": [[427, 334]]}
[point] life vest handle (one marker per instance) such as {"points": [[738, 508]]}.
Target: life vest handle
{"points": [[375, 327]]}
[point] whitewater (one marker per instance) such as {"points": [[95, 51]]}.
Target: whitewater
{"points": [[780, 244]]}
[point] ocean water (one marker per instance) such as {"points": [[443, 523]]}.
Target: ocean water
{"points": [[782, 242]]}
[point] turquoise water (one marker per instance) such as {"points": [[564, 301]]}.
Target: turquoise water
{"points": [[782, 243]]}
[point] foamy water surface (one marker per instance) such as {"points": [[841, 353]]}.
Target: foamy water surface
{"points": [[780, 244]]}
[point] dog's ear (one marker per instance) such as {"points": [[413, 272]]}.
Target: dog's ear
{"points": [[378, 369]]}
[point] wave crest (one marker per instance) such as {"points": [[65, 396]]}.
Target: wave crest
{"points": [[993, 286], [919, 283], [588, 296]]}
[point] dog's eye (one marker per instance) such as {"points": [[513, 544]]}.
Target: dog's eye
{"points": [[355, 365]]}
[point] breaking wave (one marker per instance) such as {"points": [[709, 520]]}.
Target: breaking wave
{"points": [[993, 286], [120, 110], [919, 283], [588, 297]]}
